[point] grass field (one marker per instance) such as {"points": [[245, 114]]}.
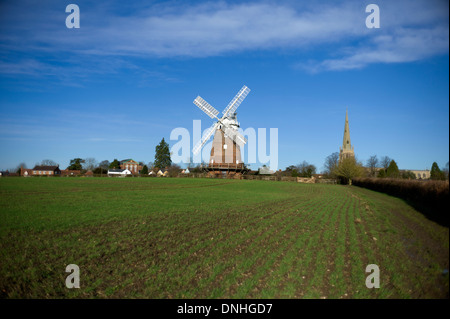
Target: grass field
{"points": [[208, 238]]}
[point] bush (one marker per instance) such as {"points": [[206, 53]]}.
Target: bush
{"points": [[429, 197]]}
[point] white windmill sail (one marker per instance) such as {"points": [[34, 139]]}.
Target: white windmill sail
{"points": [[205, 138], [235, 135], [206, 107], [236, 101]]}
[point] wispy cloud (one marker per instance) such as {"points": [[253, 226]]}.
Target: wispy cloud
{"points": [[404, 45], [409, 32]]}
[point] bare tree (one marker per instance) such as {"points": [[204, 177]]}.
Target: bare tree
{"points": [[89, 164], [331, 164], [104, 164], [385, 161], [372, 164], [174, 170], [48, 162], [445, 170], [305, 169], [21, 165]]}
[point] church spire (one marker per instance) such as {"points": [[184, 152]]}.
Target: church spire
{"points": [[346, 144], [347, 148]]}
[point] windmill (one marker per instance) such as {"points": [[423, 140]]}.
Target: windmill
{"points": [[225, 151]]}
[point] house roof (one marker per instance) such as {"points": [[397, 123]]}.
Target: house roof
{"points": [[115, 170], [265, 171], [45, 168], [119, 171], [127, 160]]}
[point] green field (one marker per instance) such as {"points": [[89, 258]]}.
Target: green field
{"points": [[212, 238]]}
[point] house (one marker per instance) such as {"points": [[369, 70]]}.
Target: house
{"points": [[131, 165], [70, 172], [119, 172], [163, 173], [43, 170], [4, 173], [26, 172], [265, 171]]}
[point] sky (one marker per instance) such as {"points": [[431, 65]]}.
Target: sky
{"points": [[127, 77]]}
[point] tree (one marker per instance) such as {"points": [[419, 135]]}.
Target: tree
{"points": [[100, 170], [114, 164], [331, 164], [290, 171], [48, 162], [385, 161], [372, 164], [174, 170], [381, 173], [392, 170], [21, 165], [75, 164], [436, 173], [305, 169], [408, 175], [104, 164], [348, 169], [144, 170], [162, 155], [445, 171], [89, 164]]}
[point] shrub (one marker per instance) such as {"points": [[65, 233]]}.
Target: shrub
{"points": [[429, 197]]}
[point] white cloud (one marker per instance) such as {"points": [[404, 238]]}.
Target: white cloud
{"points": [[404, 45], [409, 32]]}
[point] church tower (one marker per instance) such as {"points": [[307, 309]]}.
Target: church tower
{"points": [[346, 150]]}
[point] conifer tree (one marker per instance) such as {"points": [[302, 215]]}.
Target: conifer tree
{"points": [[162, 155]]}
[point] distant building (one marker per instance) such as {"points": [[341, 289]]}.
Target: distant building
{"points": [[70, 172], [119, 172], [265, 171], [163, 173], [4, 173], [346, 150], [26, 172], [131, 165], [40, 170], [420, 174]]}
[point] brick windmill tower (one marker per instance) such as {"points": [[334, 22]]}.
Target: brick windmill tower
{"points": [[225, 156]]}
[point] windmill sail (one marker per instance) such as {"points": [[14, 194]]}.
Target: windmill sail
{"points": [[206, 107], [235, 135], [205, 138], [236, 101]]}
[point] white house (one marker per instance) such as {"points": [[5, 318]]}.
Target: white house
{"points": [[119, 172]]}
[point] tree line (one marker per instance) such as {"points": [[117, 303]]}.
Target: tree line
{"points": [[162, 160], [385, 167]]}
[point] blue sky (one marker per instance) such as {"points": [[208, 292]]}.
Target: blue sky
{"points": [[127, 77]]}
